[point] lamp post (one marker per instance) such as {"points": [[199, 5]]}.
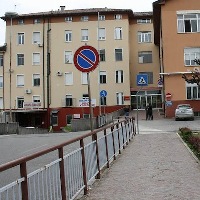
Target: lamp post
{"points": [[10, 15]]}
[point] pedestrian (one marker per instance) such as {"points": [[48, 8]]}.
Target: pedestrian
{"points": [[150, 112], [146, 109], [126, 110]]}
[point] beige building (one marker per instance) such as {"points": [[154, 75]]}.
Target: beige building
{"points": [[40, 83]]}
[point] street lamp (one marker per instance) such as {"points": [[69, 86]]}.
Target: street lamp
{"points": [[10, 15]]}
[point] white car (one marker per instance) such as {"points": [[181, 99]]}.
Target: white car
{"points": [[184, 111]]}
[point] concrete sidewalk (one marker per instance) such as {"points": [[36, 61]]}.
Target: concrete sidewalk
{"points": [[152, 167]]}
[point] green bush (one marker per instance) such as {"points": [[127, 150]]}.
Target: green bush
{"points": [[193, 141], [185, 133]]}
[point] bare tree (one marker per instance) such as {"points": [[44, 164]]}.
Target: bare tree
{"points": [[194, 77]]}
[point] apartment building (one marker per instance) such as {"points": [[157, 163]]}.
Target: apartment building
{"points": [[144, 59], [177, 34], [41, 85]]}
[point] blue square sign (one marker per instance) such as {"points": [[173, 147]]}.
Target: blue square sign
{"points": [[142, 80]]}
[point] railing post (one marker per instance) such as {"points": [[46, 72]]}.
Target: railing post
{"points": [[125, 123], [133, 122], [106, 142], [62, 174], [24, 184], [112, 128], [122, 134], [118, 138], [84, 167], [97, 154]]}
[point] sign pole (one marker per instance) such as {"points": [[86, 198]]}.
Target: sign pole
{"points": [[91, 111]]}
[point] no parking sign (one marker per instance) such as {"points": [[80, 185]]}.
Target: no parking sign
{"points": [[86, 58]]}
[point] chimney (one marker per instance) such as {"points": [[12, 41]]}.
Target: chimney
{"points": [[62, 8]]}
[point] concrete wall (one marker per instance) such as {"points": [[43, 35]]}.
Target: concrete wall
{"points": [[9, 128]]}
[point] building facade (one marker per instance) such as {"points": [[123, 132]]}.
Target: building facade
{"points": [[41, 85], [177, 33]]}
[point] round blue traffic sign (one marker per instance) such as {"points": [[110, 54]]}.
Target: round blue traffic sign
{"points": [[103, 93], [86, 58]]}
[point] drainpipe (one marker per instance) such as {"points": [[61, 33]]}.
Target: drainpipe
{"points": [[48, 70]]}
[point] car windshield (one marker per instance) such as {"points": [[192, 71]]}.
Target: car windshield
{"points": [[184, 107]]}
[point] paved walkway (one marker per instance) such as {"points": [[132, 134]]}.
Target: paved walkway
{"points": [[154, 166]]}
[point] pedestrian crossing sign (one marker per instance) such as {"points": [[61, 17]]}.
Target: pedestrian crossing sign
{"points": [[142, 80]]}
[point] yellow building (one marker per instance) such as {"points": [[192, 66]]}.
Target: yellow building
{"points": [[40, 83]]}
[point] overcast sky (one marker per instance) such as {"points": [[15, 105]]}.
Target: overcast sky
{"points": [[33, 6]]}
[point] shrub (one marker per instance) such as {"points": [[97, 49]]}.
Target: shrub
{"points": [[185, 133]]}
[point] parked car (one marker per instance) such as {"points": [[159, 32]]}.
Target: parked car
{"points": [[184, 111]]}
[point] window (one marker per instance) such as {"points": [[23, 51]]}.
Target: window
{"points": [[68, 100], [149, 76], [118, 54], [54, 119], [1, 81], [20, 80], [102, 55], [145, 57], [102, 77], [190, 54], [118, 33], [193, 91], [20, 102], [68, 57], [20, 59], [119, 76], [102, 17], [188, 23], [144, 37], [68, 19], [36, 37], [36, 21], [84, 78], [84, 35], [120, 98], [103, 101], [84, 18], [36, 58], [68, 36], [69, 78], [101, 33], [143, 21], [20, 21], [85, 96], [1, 60], [118, 16], [36, 79], [20, 37], [36, 99]]}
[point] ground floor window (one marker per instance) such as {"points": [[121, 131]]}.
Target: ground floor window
{"points": [[142, 98], [193, 91]]}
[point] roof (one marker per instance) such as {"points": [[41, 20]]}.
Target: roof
{"points": [[89, 11], [59, 12]]}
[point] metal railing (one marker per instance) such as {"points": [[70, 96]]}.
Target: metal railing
{"points": [[70, 174]]}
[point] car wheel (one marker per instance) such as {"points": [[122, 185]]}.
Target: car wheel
{"points": [[176, 119]]}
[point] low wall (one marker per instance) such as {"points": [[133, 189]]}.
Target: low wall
{"points": [[31, 130], [85, 124], [9, 128]]}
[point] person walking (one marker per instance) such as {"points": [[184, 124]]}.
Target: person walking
{"points": [[147, 114], [150, 112]]}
